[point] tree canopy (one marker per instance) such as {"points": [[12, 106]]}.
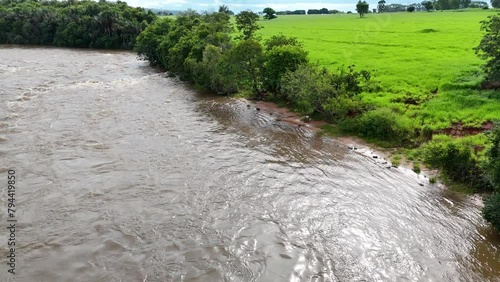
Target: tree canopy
{"points": [[86, 24], [246, 22], [488, 47], [269, 13], [362, 8], [428, 5]]}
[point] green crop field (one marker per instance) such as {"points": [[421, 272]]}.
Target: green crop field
{"points": [[427, 57]]}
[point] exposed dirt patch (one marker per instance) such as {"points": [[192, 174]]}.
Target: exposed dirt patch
{"points": [[457, 129], [285, 115], [411, 101], [489, 85]]}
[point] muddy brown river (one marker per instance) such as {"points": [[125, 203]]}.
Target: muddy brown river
{"points": [[124, 174]]}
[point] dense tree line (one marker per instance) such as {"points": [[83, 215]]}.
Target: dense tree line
{"points": [[200, 48], [382, 7], [295, 12], [322, 11], [86, 24]]}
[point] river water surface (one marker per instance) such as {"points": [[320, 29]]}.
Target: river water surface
{"points": [[126, 175]]}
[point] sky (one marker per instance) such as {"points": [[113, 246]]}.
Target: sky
{"points": [[254, 5]]}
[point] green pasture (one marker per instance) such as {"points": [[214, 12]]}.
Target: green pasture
{"points": [[425, 56]]}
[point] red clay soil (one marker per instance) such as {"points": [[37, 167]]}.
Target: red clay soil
{"points": [[285, 115], [457, 129]]}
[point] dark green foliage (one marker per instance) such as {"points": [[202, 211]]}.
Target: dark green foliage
{"points": [[225, 9], [381, 6], [478, 4], [85, 24], [465, 3], [332, 96], [495, 3], [248, 57], [321, 11], [411, 9], [493, 156], [382, 124], [428, 5], [457, 161], [283, 54], [491, 210], [179, 46], [362, 8], [269, 13], [246, 22], [149, 40], [281, 40], [488, 47]]}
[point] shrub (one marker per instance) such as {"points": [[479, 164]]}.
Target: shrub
{"points": [[493, 155], [491, 210], [279, 60], [457, 161], [416, 167], [281, 40], [331, 95], [383, 124]]}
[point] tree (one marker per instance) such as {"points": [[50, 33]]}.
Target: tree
{"points": [[465, 3], [478, 4], [225, 9], [428, 5], [249, 57], [411, 9], [246, 22], [269, 13], [381, 6], [362, 8], [282, 54], [495, 3], [86, 24], [488, 47]]}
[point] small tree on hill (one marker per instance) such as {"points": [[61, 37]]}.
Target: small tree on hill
{"points": [[246, 22], [495, 3], [411, 9], [269, 13], [428, 5], [362, 8]]}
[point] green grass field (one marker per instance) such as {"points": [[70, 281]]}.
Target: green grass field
{"points": [[411, 54]]}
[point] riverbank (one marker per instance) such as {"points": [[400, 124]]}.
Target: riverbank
{"points": [[382, 156]]}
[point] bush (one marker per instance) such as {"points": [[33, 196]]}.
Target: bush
{"points": [[383, 124], [278, 61], [491, 210], [457, 161], [331, 95], [493, 154], [214, 72]]}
